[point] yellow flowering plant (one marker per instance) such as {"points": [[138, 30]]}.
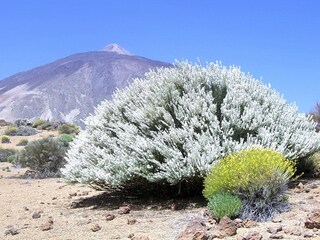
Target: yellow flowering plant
{"points": [[258, 176]]}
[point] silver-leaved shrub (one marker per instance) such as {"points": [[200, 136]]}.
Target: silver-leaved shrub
{"points": [[176, 123]]}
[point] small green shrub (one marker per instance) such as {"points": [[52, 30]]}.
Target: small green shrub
{"points": [[14, 158], [6, 153], [258, 176], [68, 128], [45, 157], [5, 139], [22, 142], [66, 138], [46, 125], [11, 131], [310, 166], [37, 123], [20, 131], [224, 204]]}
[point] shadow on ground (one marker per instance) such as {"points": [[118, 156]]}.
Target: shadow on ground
{"points": [[112, 201]]}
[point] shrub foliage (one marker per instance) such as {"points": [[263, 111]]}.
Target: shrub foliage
{"points": [[258, 176], [5, 139], [174, 125], [45, 157], [224, 204], [5, 154], [68, 128], [20, 131]]}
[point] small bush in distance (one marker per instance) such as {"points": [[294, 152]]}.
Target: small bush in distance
{"points": [[5, 139], [46, 125], [45, 156], [22, 122], [22, 142], [6, 153], [37, 123], [26, 131], [68, 128], [224, 204], [310, 166], [20, 131], [258, 176], [11, 131]]}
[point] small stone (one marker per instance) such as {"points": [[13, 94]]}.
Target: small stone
{"points": [[95, 228], [195, 230], [277, 219], [50, 220], [295, 232], [300, 185], [46, 226], [313, 219], [124, 210], [73, 194], [238, 220], [276, 236], [85, 193], [251, 236], [302, 202], [131, 221], [228, 226], [217, 233], [26, 208], [131, 235], [274, 230], [308, 234], [110, 216], [54, 198], [11, 231], [36, 214], [249, 223]]}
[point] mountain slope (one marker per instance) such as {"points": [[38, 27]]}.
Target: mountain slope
{"points": [[68, 89]]}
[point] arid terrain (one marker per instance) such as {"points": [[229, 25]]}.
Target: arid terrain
{"points": [[53, 209], [14, 140]]}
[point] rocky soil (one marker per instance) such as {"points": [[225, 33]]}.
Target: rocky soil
{"points": [[52, 209]]}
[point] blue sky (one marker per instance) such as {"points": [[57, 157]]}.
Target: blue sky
{"points": [[278, 41]]}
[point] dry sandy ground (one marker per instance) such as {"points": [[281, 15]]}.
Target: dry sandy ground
{"points": [[20, 198]]}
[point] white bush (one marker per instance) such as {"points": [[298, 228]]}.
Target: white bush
{"points": [[175, 124]]}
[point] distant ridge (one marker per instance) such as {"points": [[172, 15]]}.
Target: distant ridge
{"points": [[68, 89]]}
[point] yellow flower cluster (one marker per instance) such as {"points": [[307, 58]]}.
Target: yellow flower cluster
{"points": [[239, 171]]}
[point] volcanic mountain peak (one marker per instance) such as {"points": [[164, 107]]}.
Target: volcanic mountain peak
{"points": [[114, 47], [68, 89]]}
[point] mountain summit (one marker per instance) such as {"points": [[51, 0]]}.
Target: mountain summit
{"points": [[116, 48], [68, 89]]}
